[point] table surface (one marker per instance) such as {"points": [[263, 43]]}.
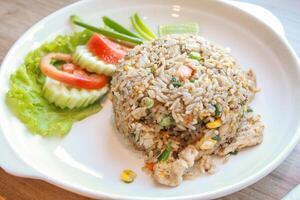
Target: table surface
{"points": [[16, 16]]}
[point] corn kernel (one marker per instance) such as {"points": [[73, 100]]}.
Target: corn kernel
{"points": [[161, 174], [128, 176], [207, 80], [215, 124], [126, 67]]}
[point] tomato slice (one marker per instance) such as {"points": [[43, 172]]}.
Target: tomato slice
{"points": [[70, 73], [105, 49]]}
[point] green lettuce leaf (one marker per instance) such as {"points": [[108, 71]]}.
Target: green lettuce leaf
{"points": [[25, 97]]}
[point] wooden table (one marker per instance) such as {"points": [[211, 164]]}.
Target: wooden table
{"points": [[16, 16]]}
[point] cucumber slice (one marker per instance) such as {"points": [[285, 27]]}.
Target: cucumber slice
{"points": [[181, 28], [65, 96], [91, 63]]}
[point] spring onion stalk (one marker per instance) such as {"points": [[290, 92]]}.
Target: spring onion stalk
{"points": [[180, 28], [139, 30], [118, 27], [110, 34], [143, 26]]}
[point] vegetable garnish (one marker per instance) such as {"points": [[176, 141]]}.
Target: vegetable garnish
{"points": [[147, 102], [128, 176], [71, 74], [181, 28], [218, 110], [216, 137], [25, 96], [175, 82], [149, 166], [249, 109], [67, 97], [118, 27], [105, 49], [139, 30], [196, 56], [166, 153], [235, 152], [110, 34], [142, 28], [91, 63], [214, 124]]}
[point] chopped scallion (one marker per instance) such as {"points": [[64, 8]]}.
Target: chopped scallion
{"points": [[216, 137], [166, 153], [218, 110], [176, 82]]}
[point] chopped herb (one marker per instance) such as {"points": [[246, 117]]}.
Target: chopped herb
{"points": [[192, 80], [234, 152], [175, 82], [152, 69], [196, 56], [216, 137], [166, 153], [218, 110], [166, 121], [249, 109], [147, 102]]}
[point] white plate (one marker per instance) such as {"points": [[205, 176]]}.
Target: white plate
{"points": [[90, 158]]}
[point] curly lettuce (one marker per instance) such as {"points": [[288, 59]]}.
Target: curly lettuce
{"points": [[25, 97]]}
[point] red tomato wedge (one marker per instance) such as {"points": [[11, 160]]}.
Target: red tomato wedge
{"points": [[184, 72], [105, 49], [70, 73]]}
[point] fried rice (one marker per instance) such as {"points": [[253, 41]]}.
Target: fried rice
{"points": [[180, 123]]}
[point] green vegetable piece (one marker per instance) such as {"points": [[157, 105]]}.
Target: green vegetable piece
{"points": [[176, 82], [235, 152], [166, 153], [139, 30], [152, 69], [249, 109], [65, 97], [192, 80], [166, 121], [196, 56], [25, 96], [117, 27], [218, 110], [143, 26], [216, 137], [110, 34], [147, 102], [180, 28], [86, 60]]}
